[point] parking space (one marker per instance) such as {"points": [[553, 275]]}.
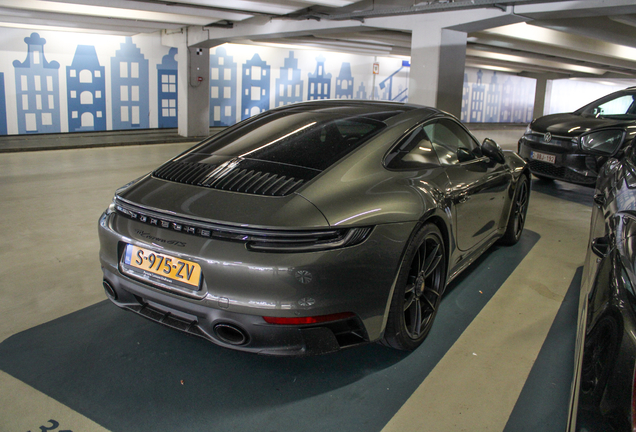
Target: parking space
{"points": [[501, 346]]}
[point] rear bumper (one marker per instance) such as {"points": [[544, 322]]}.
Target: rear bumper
{"points": [[223, 327], [240, 287]]}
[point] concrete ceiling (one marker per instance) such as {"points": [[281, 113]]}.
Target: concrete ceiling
{"points": [[590, 38]]}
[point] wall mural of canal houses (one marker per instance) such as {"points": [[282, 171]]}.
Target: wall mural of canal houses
{"points": [[106, 84], [494, 97]]}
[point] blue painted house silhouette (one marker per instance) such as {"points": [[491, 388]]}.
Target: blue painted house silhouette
{"points": [[3, 107], [289, 86], [37, 90], [520, 104], [256, 82], [319, 81], [477, 100], [376, 93], [223, 85], [505, 115], [492, 100], [344, 82], [465, 99], [129, 87], [362, 92], [86, 91], [167, 90]]}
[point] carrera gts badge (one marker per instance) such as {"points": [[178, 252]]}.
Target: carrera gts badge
{"points": [[147, 236]]}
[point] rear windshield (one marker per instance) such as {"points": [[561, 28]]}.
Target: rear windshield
{"points": [[308, 139]]}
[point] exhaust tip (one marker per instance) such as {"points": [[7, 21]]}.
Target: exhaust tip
{"points": [[230, 334], [110, 292]]}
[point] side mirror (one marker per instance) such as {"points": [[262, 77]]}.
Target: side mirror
{"points": [[464, 155], [601, 246], [492, 150]]}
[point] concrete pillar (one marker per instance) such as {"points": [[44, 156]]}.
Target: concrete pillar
{"points": [[194, 108], [540, 96], [193, 85], [438, 58], [543, 91]]}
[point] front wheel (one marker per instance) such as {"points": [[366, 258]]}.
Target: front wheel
{"points": [[418, 292], [517, 218]]}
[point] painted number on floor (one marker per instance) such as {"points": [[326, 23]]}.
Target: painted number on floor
{"points": [[53, 427]]}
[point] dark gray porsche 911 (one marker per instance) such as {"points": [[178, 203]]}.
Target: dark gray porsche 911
{"points": [[312, 227]]}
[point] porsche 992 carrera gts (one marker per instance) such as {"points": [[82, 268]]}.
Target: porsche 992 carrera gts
{"points": [[312, 227]]}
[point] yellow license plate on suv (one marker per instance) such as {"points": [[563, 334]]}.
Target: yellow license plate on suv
{"points": [[162, 267]]}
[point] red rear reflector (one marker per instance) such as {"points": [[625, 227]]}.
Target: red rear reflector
{"points": [[308, 320]]}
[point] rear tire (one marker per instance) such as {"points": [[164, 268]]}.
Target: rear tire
{"points": [[517, 218], [419, 289]]}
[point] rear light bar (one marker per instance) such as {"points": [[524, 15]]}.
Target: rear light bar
{"points": [[257, 240]]}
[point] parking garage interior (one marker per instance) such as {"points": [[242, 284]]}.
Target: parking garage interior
{"points": [[501, 351]]}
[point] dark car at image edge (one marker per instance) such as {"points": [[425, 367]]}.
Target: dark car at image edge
{"points": [[603, 396], [573, 147], [312, 227]]}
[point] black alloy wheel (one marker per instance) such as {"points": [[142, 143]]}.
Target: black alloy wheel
{"points": [[598, 355], [517, 219], [419, 289]]}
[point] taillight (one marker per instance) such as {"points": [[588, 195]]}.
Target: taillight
{"points": [[308, 320]]}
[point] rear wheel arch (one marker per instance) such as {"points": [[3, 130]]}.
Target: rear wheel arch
{"points": [[444, 229], [433, 218], [420, 284]]}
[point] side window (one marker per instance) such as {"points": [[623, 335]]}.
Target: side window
{"points": [[447, 137], [413, 152]]}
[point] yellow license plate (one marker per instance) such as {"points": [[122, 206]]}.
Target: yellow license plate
{"points": [[163, 266]]}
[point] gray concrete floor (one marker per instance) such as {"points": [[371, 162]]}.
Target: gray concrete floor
{"points": [[49, 268]]}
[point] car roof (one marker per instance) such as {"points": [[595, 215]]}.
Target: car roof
{"points": [[385, 111]]}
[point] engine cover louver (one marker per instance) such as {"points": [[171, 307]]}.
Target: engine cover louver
{"points": [[234, 176]]}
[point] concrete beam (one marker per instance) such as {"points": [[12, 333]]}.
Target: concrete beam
{"points": [[463, 20], [494, 41], [575, 9], [208, 37], [601, 28], [550, 37]]}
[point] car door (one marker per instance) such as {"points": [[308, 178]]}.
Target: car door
{"points": [[478, 185]]}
